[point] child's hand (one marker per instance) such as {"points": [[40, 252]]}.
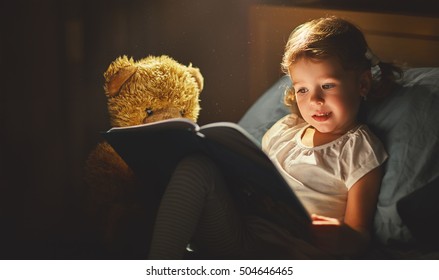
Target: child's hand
{"points": [[331, 235], [323, 220], [325, 233]]}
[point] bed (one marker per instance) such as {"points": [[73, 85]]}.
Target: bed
{"points": [[405, 224]]}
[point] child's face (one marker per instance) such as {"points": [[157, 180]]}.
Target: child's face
{"points": [[328, 96]]}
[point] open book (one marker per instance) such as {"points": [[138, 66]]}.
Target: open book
{"points": [[153, 151]]}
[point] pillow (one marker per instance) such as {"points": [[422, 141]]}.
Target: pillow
{"points": [[406, 122], [267, 109]]}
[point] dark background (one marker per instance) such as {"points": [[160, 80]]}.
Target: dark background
{"points": [[53, 54]]}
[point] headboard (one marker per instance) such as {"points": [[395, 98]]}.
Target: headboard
{"points": [[409, 40]]}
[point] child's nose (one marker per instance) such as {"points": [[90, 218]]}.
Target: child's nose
{"points": [[317, 96]]}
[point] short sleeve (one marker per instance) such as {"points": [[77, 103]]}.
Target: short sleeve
{"points": [[361, 154]]}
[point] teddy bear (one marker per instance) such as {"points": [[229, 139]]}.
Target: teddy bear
{"points": [[120, 206]]}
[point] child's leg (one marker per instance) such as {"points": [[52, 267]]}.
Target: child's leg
{"points": [[197, 202]]}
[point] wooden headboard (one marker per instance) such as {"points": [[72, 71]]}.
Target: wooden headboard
{"points": [[409, 40]]}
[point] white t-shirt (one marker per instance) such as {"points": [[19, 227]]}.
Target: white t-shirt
{"points": [[321, 176]]}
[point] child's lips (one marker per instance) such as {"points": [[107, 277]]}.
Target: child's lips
{"points": [[321, 116]]}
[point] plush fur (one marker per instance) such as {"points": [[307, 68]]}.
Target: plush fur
{"points": [[143, 91]]}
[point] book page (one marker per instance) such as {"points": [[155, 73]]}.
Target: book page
{"points": [[175, 123]]}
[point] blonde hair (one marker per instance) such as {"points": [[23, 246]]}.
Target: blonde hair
{"points": [[335, 37]]}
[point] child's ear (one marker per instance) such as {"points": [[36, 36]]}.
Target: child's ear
{"points": [[365, 83]]}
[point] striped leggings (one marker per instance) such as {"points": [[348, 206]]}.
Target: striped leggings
{"points": [[196, 206]]}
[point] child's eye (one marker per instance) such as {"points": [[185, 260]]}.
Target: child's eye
{"points": [[301, 91], [328, 86]]}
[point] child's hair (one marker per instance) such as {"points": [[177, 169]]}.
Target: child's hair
{"points": [[335, 37]]}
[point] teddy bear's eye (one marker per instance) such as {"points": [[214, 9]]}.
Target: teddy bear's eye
{"points": [[149, 112]]}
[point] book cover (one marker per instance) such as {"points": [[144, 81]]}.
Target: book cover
{"points": [[153, 151]]}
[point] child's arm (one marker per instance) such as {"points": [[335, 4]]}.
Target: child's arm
{"points": [[352, 236]]}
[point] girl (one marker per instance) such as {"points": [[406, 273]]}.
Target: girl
{"points": [[331, 161]]}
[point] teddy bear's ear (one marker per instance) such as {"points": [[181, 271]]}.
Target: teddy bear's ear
{"points": [[117, 80], [117, 74], [195, 72]]}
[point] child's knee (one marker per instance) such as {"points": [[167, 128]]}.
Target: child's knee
{"points": [[197, 163], [200, 170]]}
